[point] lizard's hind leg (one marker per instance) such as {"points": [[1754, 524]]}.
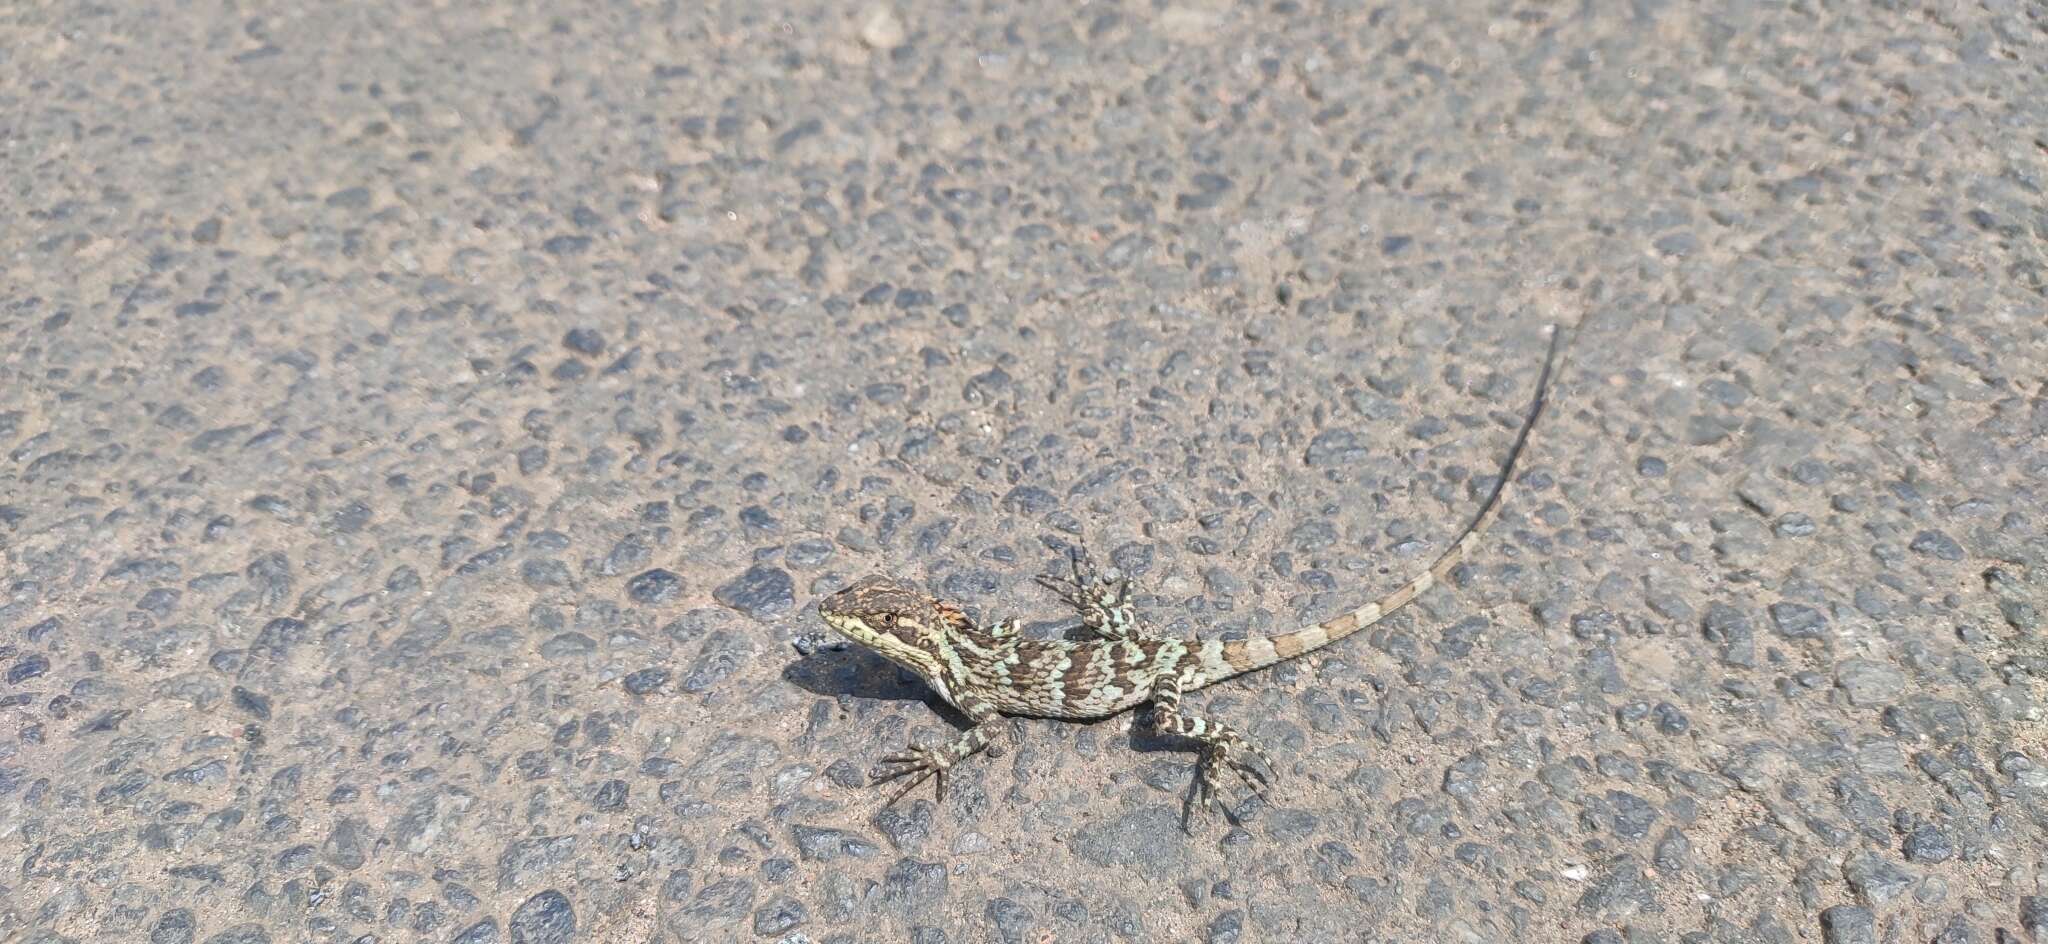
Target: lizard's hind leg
{"points": [[1105, 606], [1222, 747]]}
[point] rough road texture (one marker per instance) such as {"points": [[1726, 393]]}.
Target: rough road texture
{"points": [[422, 432]]}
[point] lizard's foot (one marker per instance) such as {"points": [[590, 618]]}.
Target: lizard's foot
{"points": [[1222, 749], [918, 763], [1105, 606], [1235, 754]]}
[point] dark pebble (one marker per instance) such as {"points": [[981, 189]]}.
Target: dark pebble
{"points": [[779, 915], [1957, 931], [173, 927], [1335, 447], [906, 830], [252, 702], [1228, 928], [822, 844], [1633, 816], [809, 552], [1013, 921], [1848, 924], [646, 680], [1673, 851], [2034, 915], [43, 630], [610, 796], [27, 667], [914, 883], [1794, 525], [1728, 628], [1624, 890], [654, 587], [546, 918], [1798, 621], [348, 843], [845, 774], [727, 900], [1936, 544], [1878, 880], [1928, 843], [584, 341], [568, 645], [765, 591], [1670, 720], [1029, 500]]}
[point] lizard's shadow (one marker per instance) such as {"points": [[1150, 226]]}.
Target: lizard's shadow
{"points": [[856, 672]]}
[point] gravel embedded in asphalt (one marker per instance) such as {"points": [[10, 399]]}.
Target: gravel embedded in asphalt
{"points": [[423, 433]]}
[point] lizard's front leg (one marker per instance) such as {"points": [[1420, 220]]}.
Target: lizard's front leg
{"points": [[1222, 746], [922, 763], [1105, 606]]}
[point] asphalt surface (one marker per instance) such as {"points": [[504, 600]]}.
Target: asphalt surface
{"points": [[425, 428]]}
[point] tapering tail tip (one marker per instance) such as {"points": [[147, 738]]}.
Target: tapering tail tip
{"points": [[1557, 338]]}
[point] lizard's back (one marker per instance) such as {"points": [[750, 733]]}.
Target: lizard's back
{"points": [[1079, 679]]}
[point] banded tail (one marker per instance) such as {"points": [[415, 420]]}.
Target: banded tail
{"points": [[1245, 655]]}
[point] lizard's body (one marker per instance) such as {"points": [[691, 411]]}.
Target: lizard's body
{"points": [[989, 671], [1094, 678]]}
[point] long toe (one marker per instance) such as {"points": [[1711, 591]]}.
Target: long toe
{"points": [[881, 774], [897, 762], [912, 785]]}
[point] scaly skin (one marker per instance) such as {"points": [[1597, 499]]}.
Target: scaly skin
{"points": [[990, 671]]}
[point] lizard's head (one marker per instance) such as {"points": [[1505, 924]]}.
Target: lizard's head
{"points": [[892, 618]]}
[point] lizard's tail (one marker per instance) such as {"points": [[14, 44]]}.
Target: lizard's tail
{"points": [[1244, 655]]}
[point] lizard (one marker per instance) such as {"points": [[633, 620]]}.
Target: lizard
{"points": [[988, 671]]}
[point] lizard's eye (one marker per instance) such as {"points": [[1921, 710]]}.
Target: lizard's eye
{"points": [[888, 619]]}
